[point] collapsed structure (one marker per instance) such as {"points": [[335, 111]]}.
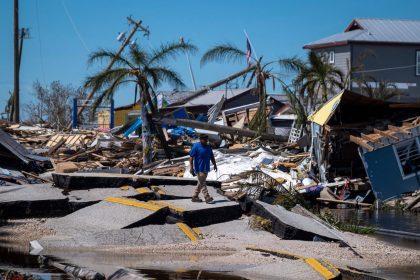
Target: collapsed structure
{"points": [[382, 130]]}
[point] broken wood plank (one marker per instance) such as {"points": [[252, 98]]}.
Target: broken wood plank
{"points": [[359, 141], [36, 177], [79, 155], [412, 203], [386, 134], [371, 139], [54, 148], [399, 129]]}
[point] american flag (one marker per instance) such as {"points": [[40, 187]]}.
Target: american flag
{"points": [[248, 52]]}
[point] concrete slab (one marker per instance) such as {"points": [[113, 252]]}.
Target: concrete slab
{"points": [[181, 191], [107, 215], [141, 236], [289, 225], [107, 180], [34, 200], [97, 195], [200, 214], [238, 231], [287, 269]]}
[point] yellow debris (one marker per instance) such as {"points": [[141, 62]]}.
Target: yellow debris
{"points": [[188, 231], [164, 204], [132, 202], [142, 190]]}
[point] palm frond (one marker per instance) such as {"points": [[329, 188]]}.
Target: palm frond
{"points": [[223, 53], [139, 56], [167, 75], [171, 50], [103, 55], [108, 93], [297, 105], [103, 79], [292, 64]]}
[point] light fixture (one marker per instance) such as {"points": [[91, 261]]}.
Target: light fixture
{"points": [[121, 36]]}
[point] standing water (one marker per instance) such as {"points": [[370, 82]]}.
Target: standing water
{"points": [[389, 220]]}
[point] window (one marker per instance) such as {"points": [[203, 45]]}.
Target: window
{"points": [[331, 57], [409, 156], [418, 63]]}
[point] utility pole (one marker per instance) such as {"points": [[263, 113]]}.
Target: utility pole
{"points": [[137, 25], [16, 108]]}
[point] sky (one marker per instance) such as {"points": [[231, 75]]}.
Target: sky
{"points": [[64, 32]]}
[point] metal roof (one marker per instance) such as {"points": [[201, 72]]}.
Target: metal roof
{"points": [[14, 147], [207, 99], [374, 30], [279, 97]]}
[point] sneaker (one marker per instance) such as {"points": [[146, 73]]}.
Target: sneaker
{"points": [[196, 199], [209, 200]]}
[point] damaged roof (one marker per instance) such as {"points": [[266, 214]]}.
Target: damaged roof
{"points": [[207, 99], [373, 30], [13, 147], [349, 106]]}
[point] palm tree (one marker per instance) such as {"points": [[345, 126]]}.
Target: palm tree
{"points": [[382, 90], [260, 72], [147, 70], [318, 77]]}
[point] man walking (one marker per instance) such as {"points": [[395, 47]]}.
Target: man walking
{"points": [[200, 156]]}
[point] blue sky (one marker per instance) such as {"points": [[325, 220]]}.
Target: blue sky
{"points": [[277, 29]]}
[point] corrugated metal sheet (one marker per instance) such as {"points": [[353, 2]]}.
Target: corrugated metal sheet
{"points": [[13, 147], [376, 30], [212, 97]]}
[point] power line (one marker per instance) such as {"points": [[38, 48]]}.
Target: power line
{"points": [[384, 69], [39, 41], [74, 26]]}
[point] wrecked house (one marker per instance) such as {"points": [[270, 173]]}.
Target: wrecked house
{"points": [[282, 117], [344, 117], [234, 103], [392, 158]]}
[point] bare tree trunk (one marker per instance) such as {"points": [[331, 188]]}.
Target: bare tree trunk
{"points": [[146, 133], [259, 121]]}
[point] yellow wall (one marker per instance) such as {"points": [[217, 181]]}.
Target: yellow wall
{"points": [[120, 115], [103, 119]]}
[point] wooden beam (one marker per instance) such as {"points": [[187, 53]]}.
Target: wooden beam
{"points": [[398, 129], [54, 148], [386, 134], [220, 128], [359, 141], [370, 138]]}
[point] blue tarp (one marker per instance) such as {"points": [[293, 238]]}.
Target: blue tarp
{"points": [[182, 131], [132, 128]]}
